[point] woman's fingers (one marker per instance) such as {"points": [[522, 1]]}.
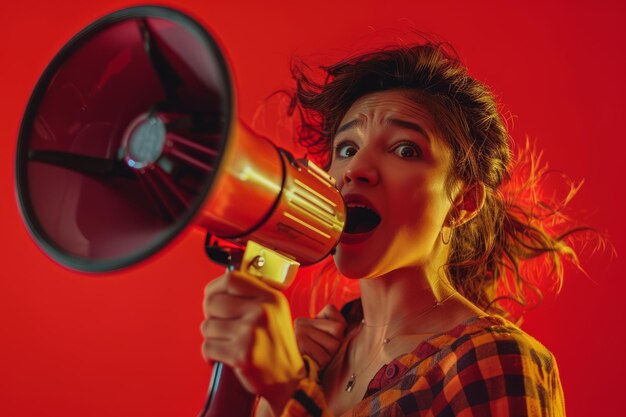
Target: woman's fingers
{"points": [[245, 286], [320, 338], [219, 329], [221, 350], [330, 312], [227, 306], [331, 317], [310, 347], [331, 327], [248, 326], [242, 311], [323, 333], [235, 295]]}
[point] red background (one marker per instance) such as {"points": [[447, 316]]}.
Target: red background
{"points": [[127, 343]]}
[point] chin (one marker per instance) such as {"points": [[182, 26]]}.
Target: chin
{"points": [[354, 267]]}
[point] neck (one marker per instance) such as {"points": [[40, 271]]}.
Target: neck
{"points": [[400, 294]]}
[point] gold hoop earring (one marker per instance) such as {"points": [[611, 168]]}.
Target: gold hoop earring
{"points": [[445, 240]]}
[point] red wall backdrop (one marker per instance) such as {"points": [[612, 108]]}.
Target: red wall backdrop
{"points": [[127, 343]]}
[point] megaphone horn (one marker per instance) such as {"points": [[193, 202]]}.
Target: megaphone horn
{"points": [[130, 136]]}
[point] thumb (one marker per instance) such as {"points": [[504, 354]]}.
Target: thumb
{"points": [[330, 312]]}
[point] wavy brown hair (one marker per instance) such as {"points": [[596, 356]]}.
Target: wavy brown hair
{"points": [[489, 254]]}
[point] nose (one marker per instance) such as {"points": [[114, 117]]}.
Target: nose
{"points": [[361, 170]]}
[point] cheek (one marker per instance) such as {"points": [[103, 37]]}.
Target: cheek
{"points": [[422, 205]]}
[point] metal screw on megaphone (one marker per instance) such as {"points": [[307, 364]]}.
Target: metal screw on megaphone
{"points": [[258, 262]]}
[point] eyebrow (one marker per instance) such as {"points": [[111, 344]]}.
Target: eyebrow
{"points": [[348, 126], [408, 125], [391, 121]]}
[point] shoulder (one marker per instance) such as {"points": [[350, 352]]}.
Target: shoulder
{"points": [[491, 364], [494, 337]]}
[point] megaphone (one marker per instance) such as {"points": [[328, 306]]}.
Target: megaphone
{"points": [[131, 136]]}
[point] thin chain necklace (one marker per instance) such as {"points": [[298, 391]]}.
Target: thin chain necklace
{"points": [[386, 340]]}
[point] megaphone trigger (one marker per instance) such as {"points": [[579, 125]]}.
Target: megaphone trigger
{"points": [[269, 266], [221, 253]]}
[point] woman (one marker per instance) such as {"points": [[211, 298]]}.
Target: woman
{"points": [[420, 154]]}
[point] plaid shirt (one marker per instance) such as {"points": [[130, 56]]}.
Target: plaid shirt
{"points": [[483, 367]]}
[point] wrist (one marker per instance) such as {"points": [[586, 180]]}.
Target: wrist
{"points": [[281, 393]]}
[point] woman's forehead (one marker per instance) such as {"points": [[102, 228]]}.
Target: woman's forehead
{"points": [[376, 107], [404, 109]]}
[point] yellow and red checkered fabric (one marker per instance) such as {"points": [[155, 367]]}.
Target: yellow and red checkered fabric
{"points": [[484, 367]]}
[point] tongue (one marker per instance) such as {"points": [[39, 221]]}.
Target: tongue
{"points": [[363, 227]]}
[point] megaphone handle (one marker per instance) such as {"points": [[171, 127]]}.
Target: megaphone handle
{"points": [[227, 397]]}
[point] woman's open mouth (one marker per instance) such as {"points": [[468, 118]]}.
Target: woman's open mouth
{"points": [[361, 220]]}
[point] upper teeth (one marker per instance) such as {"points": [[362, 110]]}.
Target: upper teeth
{"points": [[357, 205]]}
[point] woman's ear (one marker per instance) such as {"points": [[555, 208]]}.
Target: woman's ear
{"points": [[468, 203]]}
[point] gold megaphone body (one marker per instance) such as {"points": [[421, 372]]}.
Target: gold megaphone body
{"points": [[262, 195], [130, 137]]}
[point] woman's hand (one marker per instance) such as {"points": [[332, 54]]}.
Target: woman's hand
{"points": [[320, 337], [248, 327]]}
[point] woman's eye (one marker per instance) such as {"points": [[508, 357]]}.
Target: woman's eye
{"points": [[345, 150], [407, 150]]}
